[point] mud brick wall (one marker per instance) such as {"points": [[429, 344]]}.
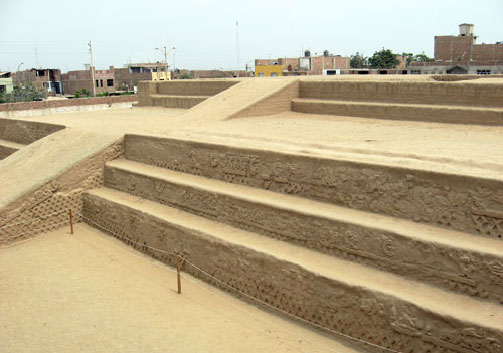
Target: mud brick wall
{"points": [[25, 132], [66, 103], [444, 93], [63, 192], [478, 275], [356, 311], [465, 203]]}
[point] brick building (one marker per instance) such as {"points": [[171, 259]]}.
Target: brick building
{"points": [[326, 64], [48, 79], [127, 78], [462, 55], [104, 81]]}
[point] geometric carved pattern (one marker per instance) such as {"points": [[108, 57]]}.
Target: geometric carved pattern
{"points": [[360, 313], [445, 200]]}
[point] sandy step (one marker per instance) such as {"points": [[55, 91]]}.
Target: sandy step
{"points": [[396, 111], [457, 261], [7, 148], [344, 296], [178, 102], [464, 93], [464, 202]]}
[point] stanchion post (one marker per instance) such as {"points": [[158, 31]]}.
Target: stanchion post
{"points": [[178, 277], [71, 220]]}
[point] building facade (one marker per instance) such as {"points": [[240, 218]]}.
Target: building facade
{"points": [[462, 55], [6, 83], [48, 79], [127, 78], [104, 81], [326, 64]]}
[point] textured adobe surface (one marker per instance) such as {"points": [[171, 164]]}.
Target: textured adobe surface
{"points": [[25, 132], [459, 202], [386, 230], [426, 253], [313, 294]]}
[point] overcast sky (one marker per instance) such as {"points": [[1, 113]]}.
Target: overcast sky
{"points": [[204, 31]]}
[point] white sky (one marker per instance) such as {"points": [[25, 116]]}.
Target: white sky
{"points": [[204, 31]]}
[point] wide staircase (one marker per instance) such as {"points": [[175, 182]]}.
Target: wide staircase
{"points": [[461, 102], [180, 94], [15, 134], [407, 259]]}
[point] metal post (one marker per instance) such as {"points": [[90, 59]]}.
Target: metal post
{"points": [[71, 220], [178, 277]]}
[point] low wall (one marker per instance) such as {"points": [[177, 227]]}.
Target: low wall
{"points": [[66, 103], [25, 132], [434, 92], [11, 110], [202, 87]]}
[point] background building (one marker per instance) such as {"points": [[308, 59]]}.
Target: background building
{"points": [[462, 55], [48, 79], [326, 64], [6, 83], [104, 81], [127, 78]]}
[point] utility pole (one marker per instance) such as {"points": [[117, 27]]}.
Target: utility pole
{"points": [[93, 87], [165, 53], [237, 44]]}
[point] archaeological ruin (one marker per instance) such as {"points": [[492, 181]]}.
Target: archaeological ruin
{"points": [[368, 209]]}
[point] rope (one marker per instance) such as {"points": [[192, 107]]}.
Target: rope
{"points": [[124, 238], [242, 293], [189, 279], [34, 230], [253, 315], [32, 219]]}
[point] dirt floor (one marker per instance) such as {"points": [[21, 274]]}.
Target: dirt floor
{"points": [[88, 292]]}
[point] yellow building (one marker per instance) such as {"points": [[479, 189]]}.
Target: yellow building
{"points": [[268, 70], [161, 75]]}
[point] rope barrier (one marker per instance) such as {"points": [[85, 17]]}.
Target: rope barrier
{"points": [[240, 292], [32, 219], [34, 230]]}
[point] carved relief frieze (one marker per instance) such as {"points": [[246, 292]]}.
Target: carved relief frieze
{"points": [[361, 313], [422, 196], [452, 268]]}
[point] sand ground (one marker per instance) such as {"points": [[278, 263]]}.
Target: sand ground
{"points": [[88, 292]]}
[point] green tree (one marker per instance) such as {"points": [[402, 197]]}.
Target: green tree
{"points": [[358, 61], [422, 58], [383, 59], [26, 93], [409, 57]]}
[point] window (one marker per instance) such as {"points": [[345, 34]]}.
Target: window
{"points": [[101, 83], [415, 72], [97, 83], [483, 72], [274, 74], [110, 82], [261, 74]]}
